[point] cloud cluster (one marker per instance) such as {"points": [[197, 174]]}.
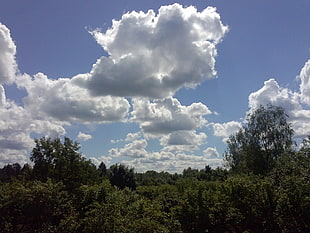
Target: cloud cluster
{"points": [[150, 57], [154, 55], [48, 106], [176, 126], [135, 154]]}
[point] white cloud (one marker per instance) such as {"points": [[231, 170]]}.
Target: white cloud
{"points": [[8, 66], [9, 156], [84, 137], [16, 126], [183, 140], [129, 137], [161, 117], [135, 149], [17, 123], [132, 136], [305, 83], [170, 158], [65, 101], [154, 55], [172, 162], [150, 55], [2, 96], [224, 130], [211, 152], [105, 159], [272, 93]]}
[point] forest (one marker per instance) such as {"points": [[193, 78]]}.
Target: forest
{"points": [[264, 186]]}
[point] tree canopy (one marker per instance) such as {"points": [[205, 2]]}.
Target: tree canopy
{"points": [[61, 161], [265, 189]]}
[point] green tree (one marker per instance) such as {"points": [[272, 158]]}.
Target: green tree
{"points": [[189, 172], [62, 162], [10, 171], [292, 180], [122, 176], [261, 142], [102, 169], [109, 209]]}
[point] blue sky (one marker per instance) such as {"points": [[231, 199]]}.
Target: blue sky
{"points": [[156, 90]]}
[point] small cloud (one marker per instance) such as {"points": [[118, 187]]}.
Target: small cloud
{"points": [[211, 152], [183, 141], [135, 149], [114, 141], [84, 137], [226, 129], [132, 136]]}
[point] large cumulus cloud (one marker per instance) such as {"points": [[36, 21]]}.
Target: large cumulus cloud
{"points": [[154, 55]]}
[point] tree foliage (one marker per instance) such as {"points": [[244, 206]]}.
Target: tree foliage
{"points": [[122, 176], [267, 189], [36, 207]]}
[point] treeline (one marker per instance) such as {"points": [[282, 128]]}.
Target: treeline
{"points": [[264, 187]]}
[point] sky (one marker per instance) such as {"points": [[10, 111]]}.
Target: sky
{"points": [[155, 85]]}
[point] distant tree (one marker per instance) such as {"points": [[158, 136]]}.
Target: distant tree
{"points": [[259, 144], [305, 147], [189, 172], [122, 176], [207, 169], [26, 171], [102, 169], [151, 178], [10, 171]]}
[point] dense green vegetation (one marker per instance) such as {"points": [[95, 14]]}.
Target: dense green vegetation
{"points": [[264, 188]]}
